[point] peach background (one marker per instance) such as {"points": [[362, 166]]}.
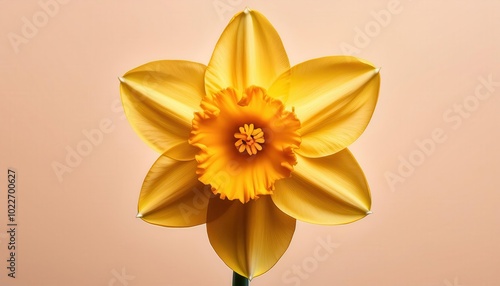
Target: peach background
{"points": [[439, 225]]}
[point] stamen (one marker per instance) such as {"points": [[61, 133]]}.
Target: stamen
{"points": [[249, 139]]}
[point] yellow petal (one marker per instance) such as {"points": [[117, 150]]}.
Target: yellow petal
{"points": [[328, 190], [172, 196], [334, 99], [182, 151], [160, 98], [250, 238], [249, 52]]}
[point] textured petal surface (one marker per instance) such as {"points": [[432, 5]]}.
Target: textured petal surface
{"points": [[172, 196], [160, 99], [249, 52], [328, 190], [334, 98], [250, 238]]}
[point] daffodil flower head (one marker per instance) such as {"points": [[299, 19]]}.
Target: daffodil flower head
{"points": [[249, 144]]}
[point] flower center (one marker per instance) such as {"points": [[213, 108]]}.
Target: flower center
{"points": [[249, 139], [246, 141]]}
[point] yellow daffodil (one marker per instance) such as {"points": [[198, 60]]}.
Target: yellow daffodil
{"points": [[250, 145]]}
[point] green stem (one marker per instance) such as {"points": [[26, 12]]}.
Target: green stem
{"points": [[239, 280]]}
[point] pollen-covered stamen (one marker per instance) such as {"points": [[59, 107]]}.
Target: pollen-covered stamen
{"points": [[249, 139]]}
